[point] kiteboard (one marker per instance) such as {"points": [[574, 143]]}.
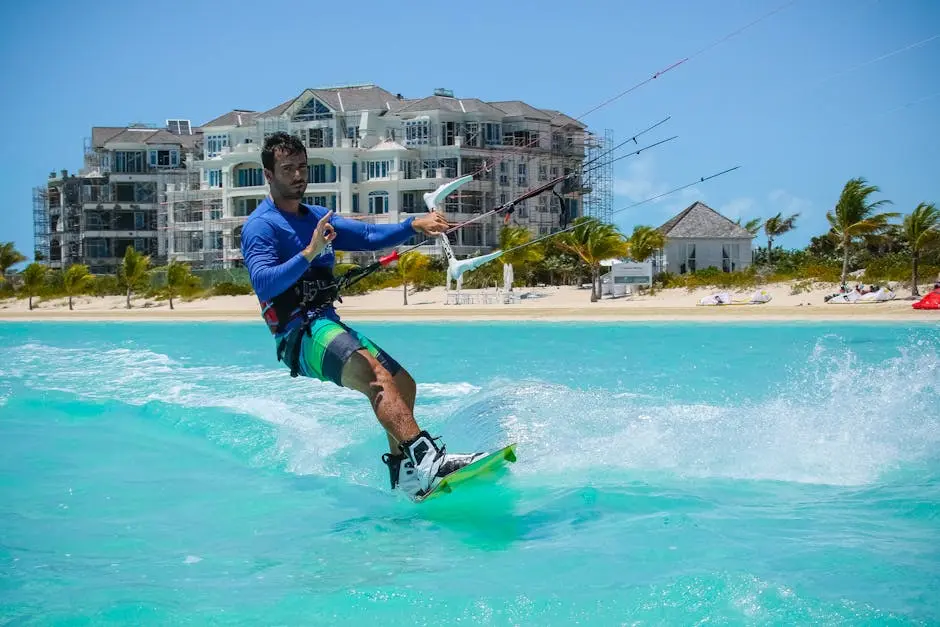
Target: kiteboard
{"points": [[493, 461]]}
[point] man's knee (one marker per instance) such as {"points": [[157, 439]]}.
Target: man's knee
{"points": [[364, 373]]}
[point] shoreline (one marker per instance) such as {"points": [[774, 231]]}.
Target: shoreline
{"points": [[546, 304], [752, 313]]}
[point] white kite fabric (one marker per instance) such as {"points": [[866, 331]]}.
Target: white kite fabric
{"points": [[455, 267], [724, 298]]}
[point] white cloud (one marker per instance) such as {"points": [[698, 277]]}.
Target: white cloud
{"points": [[737, 208], [783, 201], [642, 183]]}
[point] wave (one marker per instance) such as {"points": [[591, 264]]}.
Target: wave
{"points": [[833, 420]]}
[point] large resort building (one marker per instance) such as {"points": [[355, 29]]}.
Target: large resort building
{"points": [[183, 193]]}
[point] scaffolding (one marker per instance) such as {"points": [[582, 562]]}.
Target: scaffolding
{"points": [[40, 223], [193, 227], [599, 176]]}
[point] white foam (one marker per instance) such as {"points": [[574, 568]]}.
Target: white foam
{"points": [[834, 420]]}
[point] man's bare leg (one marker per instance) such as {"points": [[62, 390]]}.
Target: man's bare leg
{"points": [[394, 412], [408, 391]]}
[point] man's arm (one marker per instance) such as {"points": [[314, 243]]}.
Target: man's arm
{"points": [[268, 277], [357, 235]]}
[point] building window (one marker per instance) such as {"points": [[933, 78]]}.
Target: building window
{"points": [[215, 209], [409, 168], [408, 202], [321, 173], [328, 201], [317, 137], [97, 248], [129, 161], [417, 132], [249, 177], [730, 253], [313, 110], [244, 206], [124, 192], [215, 144], [215, 178], [378, 202], [449, 131], [376, 170], [355, 203], [164, 158], [688, 265], [492, 134]]}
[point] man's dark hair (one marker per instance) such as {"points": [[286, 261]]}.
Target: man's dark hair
{"points": [[280, 142]]}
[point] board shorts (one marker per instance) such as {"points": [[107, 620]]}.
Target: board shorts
{"points": [[323, 352]]}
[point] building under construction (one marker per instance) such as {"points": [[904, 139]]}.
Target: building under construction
{"points": [[92, 216], [183, 193]]}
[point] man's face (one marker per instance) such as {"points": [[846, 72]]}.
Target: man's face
{"points": [[289, 179]]}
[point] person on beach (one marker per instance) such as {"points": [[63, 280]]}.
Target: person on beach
{"points": [[288, 248]]}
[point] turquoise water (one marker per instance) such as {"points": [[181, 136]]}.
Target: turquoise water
{"points": [[171, 473]]}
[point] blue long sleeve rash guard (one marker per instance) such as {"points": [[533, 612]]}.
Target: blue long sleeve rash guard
{"points": [[272, 243]]}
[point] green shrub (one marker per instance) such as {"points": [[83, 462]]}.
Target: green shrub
{"points": [[229, 289]]}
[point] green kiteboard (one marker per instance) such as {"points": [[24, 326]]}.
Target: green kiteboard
{"points": [[496, 459]]}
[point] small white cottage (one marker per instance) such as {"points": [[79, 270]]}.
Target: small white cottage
{"points": [[700, 237]]}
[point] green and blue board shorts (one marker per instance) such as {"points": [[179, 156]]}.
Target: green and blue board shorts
{"points": [[327, 347]]}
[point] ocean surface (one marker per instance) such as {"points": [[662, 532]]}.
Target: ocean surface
{"points": [[668, 473]]}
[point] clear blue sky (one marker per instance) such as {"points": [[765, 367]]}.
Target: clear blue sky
{"points": [[800, 100]]}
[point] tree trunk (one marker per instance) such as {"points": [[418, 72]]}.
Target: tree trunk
{"points": [[595, 288], [128, 298], [916, 258], [30, 303], [70, 302], [171, 301], [770, 245], [845, 260], [404, 291]]}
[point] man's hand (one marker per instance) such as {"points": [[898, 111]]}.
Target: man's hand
{"points": [[430, 224], [322, 235]]}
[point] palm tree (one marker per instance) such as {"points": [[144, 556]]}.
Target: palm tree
{"points": [[511, 237], [921, 229], [77, 280], [751, 226], [644, 242], [776, 226], [9, 257], [413, 266], [179, 278], [34, 277], [855, 216], [133, 271], [593, 241]]}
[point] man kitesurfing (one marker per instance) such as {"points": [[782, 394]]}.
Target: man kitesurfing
{"points": [[288, 248]]}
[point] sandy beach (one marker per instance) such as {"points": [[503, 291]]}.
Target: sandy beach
{"points": [[541, 303]]}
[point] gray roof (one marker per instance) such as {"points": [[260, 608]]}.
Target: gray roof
{"points": [[373, 97], [235, 117], [279, 109], [561, 119], [342, 99], [101, 135], [700, 220], [519, 109], [445, 103]]}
